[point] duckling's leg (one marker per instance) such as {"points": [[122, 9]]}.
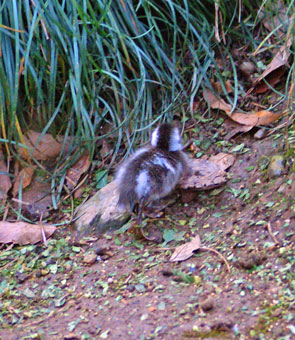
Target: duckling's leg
{"points": [[139, 212], [141, 205]]}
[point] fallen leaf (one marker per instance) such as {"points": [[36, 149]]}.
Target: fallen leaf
{"points": [[38, 199], [271, 80], [205, 175], [232, 128], [223, 160], [186, 250], [47, 148], [5, 182], [75, 172], [23, 233], [256, 118], [238, 129], [215, 102], [274, 71], [218, 88], [25, 175], [252, 119]]}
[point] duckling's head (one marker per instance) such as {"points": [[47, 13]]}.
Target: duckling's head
{"points": [[166, 137]]}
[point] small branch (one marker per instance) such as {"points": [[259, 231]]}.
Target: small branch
{"points": [[218, 254], [42, 230], [9, 263], [202, 248], [271, 234]]}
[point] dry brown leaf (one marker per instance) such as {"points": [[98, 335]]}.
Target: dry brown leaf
{"points": [[218, 88], [47, 147], [252, 119], [77, 170], [26, 174], [5, 182], [274, 70], [223, 160], [256, 118], [232, 128], [37, 198], [23, 233], [186, 250], [205, 175], [238, 129], [214, 102], [272, 79]]}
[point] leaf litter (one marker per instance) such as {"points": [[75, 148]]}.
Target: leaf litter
{"points": [[243, 295], [24, 233], [262, 117]]}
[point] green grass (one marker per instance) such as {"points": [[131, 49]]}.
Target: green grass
{"points": [[100, 70]]}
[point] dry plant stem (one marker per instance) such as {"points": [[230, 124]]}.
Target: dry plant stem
{"points": [[5, 211], [203, 248], [20, 201], [42, 230], [7, 249], [77, 186], [187, 144], [271, 234], [218, 254], [9, 263]]}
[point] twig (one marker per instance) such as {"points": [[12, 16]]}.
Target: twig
{"points": [[217, 253], [6, 249], [42, 230], [203, 248], [271, 234], [187, 144], [9, 263]]}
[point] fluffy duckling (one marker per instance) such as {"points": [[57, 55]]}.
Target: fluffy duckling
{"points": [[152, 172]]}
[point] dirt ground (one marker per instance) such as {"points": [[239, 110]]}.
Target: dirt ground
{"points": [[121, 286]]}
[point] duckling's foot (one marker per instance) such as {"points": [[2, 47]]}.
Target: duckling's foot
{"points": [[155, 209]]}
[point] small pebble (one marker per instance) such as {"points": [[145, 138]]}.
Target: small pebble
{"points": [[247, 66], [90, 258], [261, 133], [72, 336], [207, 304], [276, 166]]}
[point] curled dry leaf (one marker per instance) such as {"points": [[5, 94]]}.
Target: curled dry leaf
{"points": [[47, 148], [186, 250], [274, 70], [26, 175], [205, 175], [252, 119], [5, 182], [23, 233], [215, 102], [77, 170]]}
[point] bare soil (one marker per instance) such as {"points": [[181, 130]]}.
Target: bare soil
{"points": [[129, 290]]}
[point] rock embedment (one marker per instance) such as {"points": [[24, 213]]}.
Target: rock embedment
{"points": [[100, 212]]}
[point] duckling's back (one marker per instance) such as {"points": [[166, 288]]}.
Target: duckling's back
{"points": [[152, 172]]}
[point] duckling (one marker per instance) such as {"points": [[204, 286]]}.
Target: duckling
{"points": [[152, 172]]}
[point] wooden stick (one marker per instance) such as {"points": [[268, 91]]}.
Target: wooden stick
{"points": [[217, 253], [271, 234]]}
